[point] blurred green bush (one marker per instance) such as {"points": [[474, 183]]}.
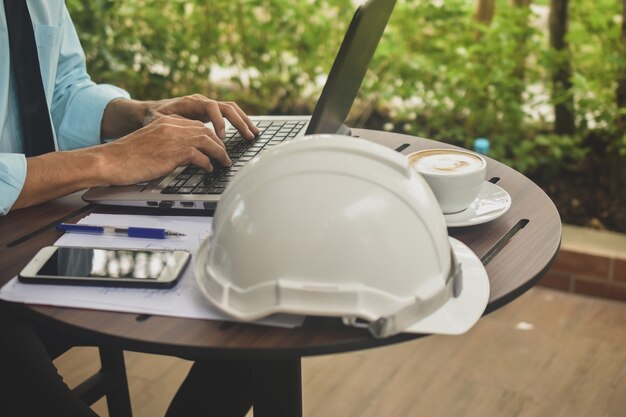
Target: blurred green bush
{"points": [[437, 73]]}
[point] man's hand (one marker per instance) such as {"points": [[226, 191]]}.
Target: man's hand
{"points": [[122, 116], [158, 148], [199, 107]]}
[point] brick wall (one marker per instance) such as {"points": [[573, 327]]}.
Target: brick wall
{"points": [[599, 275]]}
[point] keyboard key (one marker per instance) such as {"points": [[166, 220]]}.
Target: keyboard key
{"points": [[169, 190], [215, 190], [194, 180]]}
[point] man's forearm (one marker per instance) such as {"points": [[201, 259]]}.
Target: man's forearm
{"points": [[59, 173], [155, 138], [122, 117]]}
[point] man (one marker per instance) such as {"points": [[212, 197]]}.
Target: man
{"points": [[154, 138]]}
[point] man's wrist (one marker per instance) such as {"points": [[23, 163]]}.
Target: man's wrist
{"points": [[139, 111], [123, 116]]}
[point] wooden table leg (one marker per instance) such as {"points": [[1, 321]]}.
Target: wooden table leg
{"points": [[278, 388], [116, 384]]}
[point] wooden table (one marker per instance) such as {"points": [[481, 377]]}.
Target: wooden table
{"points": [[516, 250]]}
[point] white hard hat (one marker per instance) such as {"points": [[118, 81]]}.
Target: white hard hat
{"points": [[332, 225]]}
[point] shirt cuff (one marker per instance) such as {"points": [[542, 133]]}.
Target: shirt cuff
{"points": [[12, 177], [82, 120]]}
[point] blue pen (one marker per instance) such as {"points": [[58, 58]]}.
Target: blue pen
{"points": [[145, 232]]}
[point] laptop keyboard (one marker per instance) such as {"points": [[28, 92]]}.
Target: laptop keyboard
{"points": [[194, 180]]}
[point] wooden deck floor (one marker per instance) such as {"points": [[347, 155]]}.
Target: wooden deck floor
{"points": [[548, 354]]}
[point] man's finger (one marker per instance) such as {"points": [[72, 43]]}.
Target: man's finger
{"points": [[210, 148], [237, 121], [200, 160], [214, 115], [253, 128]]}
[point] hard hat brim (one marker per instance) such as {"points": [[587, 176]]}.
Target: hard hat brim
{"points": [[454, 317], [459, 314]]}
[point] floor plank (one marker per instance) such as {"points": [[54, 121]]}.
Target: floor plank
{"points": [[546, 354]]}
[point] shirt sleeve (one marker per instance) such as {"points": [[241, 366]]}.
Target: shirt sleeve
{"points": [[12, 177], [78, 103]]}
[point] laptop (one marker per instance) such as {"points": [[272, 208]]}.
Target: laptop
{"points": [[189, 187]]}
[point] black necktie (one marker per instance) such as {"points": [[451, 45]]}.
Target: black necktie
{"points": [[36, 127]]}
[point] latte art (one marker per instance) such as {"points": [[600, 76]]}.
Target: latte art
{"points": [[451, 162], [449, 165], [455, 176]]}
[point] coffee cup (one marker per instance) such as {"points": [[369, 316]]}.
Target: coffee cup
{"points": [[456, 176]]}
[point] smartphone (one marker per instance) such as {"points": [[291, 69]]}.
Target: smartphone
{"points": [[106, 267]]}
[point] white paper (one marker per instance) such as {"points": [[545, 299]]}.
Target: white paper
{"points": [[184, 300]]}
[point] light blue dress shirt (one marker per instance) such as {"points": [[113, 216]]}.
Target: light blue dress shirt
{"points": [[76, 103]]}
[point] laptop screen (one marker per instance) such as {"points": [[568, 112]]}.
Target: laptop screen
{"points": [[348, 70]]}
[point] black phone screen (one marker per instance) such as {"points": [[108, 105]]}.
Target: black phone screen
{"points": [[110, 263]]}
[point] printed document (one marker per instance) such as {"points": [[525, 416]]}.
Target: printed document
{"points": [[183, 300]]}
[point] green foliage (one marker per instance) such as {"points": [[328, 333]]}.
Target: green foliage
{"points": [[258, 52], [437, 73], [594, 37], [549, 151], [465, 83]]}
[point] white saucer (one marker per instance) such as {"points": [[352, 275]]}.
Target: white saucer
{"points": [[491, 203], [459, 314]]}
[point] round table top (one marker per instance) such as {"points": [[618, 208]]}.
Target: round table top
{"points": [[516, 249]]}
